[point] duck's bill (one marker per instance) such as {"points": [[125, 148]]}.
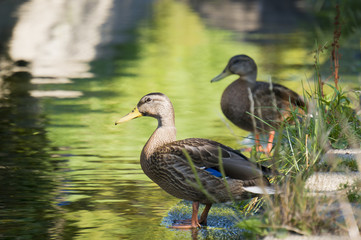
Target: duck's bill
{"points": [[221, 76], [133, 114]]}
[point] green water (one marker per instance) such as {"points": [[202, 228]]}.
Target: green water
{"points": [[68, 172]]}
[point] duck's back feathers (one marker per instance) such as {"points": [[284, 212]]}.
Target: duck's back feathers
{"points": [[205, 154], [275, 101], [285, 94]]}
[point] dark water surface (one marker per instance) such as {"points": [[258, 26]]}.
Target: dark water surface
{"points": [[67, 172]]}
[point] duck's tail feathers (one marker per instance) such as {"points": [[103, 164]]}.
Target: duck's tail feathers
{"points": [[261, 189]]}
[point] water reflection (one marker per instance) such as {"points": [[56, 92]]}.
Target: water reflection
{"points": [[64, 43], [27, 185], [253, 16]]}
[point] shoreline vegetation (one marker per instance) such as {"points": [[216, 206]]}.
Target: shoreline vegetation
{"points": [[320, 148], [318, 143]]}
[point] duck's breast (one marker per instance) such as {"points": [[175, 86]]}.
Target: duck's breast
{"points": [[235, 105]]}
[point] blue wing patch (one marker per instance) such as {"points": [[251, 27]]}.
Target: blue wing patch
{"points": [[214, 172]]}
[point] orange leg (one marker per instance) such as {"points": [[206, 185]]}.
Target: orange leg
{"points": [[204, 215], [270, 141], [268, 150], [194, 222], [259, 147]]}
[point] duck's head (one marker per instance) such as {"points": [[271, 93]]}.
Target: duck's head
{"points": [[155, 105], [242, 65]]}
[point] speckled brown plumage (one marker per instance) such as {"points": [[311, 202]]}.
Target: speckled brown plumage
{"points": [[169, 168], [164, 161]]}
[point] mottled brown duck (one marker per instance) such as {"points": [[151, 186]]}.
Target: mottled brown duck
{"points": [[253, 105], [163, 159]]}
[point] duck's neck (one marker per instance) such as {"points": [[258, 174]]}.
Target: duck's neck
{"points": [[165, 133], [250, 78]]}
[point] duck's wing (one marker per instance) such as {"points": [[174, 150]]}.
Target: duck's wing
{"points": [[205, 155], [285, 94], [265, 94]]}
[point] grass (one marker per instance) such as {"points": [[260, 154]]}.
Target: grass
{"points": [[331, 123]]}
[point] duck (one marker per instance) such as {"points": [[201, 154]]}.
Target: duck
{"points": [[191, 169], [256, 106]]}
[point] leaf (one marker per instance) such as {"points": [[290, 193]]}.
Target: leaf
{"points": [[254, 225]]}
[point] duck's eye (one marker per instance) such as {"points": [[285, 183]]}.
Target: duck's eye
{"points": [[147, 100]]}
